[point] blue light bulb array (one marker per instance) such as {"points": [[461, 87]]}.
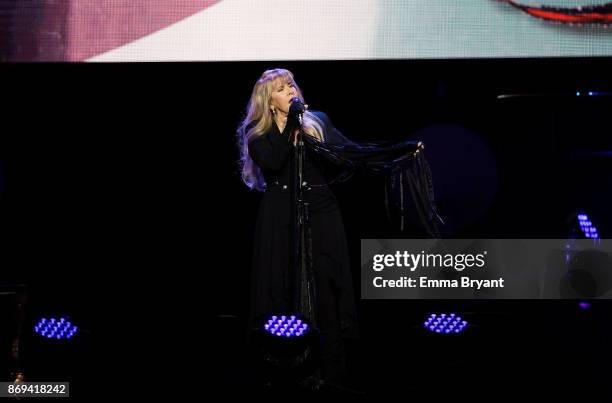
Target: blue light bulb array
{"points": [[445, 323], [55, 329], [286, 326], [587, 227]]}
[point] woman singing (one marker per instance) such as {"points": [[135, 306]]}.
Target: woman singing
{"points": [[267, 136], [275, 118]]}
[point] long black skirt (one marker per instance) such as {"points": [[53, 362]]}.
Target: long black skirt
{"points": [[272, 262]]}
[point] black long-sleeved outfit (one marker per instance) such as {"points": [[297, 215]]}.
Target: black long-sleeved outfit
{"points": [[273, 275]]}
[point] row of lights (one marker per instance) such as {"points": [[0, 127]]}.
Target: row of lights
{"points": [[292, 326], [442, 323], [591, 93]]}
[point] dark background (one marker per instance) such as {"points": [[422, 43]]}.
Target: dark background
{"points": [[121, 205]]}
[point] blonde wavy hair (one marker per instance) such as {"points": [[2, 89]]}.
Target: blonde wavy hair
{"points": [[259, 120]]}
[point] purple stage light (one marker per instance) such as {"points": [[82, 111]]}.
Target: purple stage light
{"points": [[445, 323]]}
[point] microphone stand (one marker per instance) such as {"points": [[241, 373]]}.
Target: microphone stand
{"points": [[305, 291]]}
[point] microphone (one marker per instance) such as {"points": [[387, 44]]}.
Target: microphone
{"points": [[298, 106]]}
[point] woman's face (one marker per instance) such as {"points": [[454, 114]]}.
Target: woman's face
{"points": [[282, 93]]}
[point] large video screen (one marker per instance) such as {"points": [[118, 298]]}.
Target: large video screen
{"points": [[246, 30]]}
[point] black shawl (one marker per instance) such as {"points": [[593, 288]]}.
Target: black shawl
{"points": [[408, 181]]}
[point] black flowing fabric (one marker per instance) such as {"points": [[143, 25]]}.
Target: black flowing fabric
{"points": [[408, 183]]}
